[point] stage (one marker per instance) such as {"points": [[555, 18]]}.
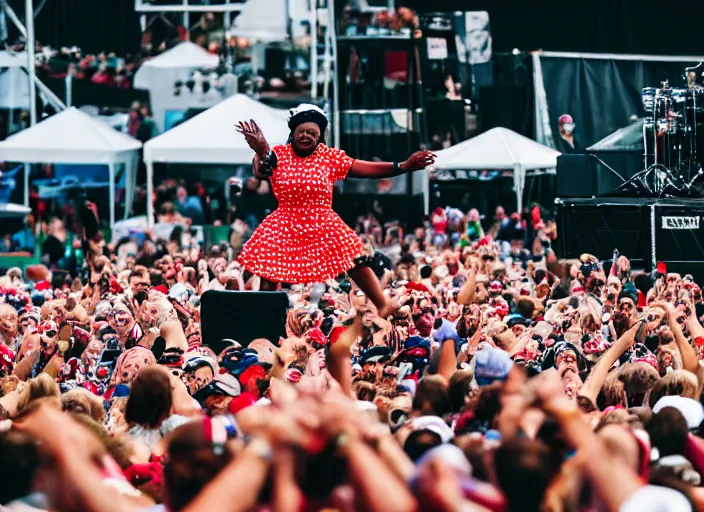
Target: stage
{"points": [[647, 231]]}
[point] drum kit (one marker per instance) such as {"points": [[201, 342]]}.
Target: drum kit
{"points": [[672, 133]]}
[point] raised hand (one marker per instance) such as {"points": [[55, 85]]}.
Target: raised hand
{"points": [[418, 160], [254, 137]]}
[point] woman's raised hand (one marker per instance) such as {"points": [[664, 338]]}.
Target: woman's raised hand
{"points": [[254, 137], [418, 160]]}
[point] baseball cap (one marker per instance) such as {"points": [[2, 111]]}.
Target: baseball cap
{"points": [[434, 424], [691, 409], [223, 384], [491, 364]]}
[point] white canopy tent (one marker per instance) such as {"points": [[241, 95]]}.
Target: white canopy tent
{"points": [[180, 60], [11, 211], [159, 75], [14, 92], [499, 149], [262, 22], [73, 137], [210, 137], [267, 21]]}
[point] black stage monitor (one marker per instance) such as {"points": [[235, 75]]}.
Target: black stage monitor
{"points": [[242, 316], [598, 226], [584, 175]]}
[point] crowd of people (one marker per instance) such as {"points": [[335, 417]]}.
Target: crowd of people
{"points": [[503, 382]]}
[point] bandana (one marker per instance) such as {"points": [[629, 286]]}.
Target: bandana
{"points": [[595, 345], [129, 363], [7, 355], [250, 377], [140, 474], [501, 308], [316, 338], [47, 326], [42, 286], [115, 287], [95, 388], [528, 354], [418, 287], [161, 289]]}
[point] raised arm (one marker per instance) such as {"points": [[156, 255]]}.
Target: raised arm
{"points": [[597, 377], [380, 170], [264, 161], [690, 360]]}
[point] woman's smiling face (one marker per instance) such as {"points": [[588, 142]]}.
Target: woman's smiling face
{"points": [[305, 138]]}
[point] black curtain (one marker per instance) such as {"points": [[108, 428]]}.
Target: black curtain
{"points": [[601, 95], [607, 26], [93, 25]]}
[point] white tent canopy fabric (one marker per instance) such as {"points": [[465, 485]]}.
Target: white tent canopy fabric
{"points": [[499, 148], [73, 137], [160, 75], [185, 56], [266, 21], [14, 93], [13, 59], [211, 138]]}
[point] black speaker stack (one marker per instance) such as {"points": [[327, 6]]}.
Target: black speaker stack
{"points": [[647, 231], [594, 216]]}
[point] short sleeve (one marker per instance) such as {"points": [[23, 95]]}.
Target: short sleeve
{"points": [[340, 163], [281, 155]]}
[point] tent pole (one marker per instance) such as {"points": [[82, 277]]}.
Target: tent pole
{"points": [[313, 49], [187, 19], [332, 22], [150, 193], [69, 90], [27, 169], [29, 19], [519, 179], [111, 173]]}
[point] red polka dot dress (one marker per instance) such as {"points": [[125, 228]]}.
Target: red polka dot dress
{"points": [[303, 240]]}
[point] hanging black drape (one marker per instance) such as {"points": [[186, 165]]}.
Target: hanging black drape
{"points": [[603, 26], [92, 25], [601, 95]]}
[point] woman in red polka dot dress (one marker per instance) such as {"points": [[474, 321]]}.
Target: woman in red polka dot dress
{"points": [[304, 240]]}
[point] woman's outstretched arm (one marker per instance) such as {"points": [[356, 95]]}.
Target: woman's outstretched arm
{"points": [[255, 138], [380, 170]]}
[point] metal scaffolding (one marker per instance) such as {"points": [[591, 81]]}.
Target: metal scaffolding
{"points": [[184, 7], [33, 83]]}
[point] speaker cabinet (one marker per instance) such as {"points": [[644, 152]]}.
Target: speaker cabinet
{"points": [[242, 316]]}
